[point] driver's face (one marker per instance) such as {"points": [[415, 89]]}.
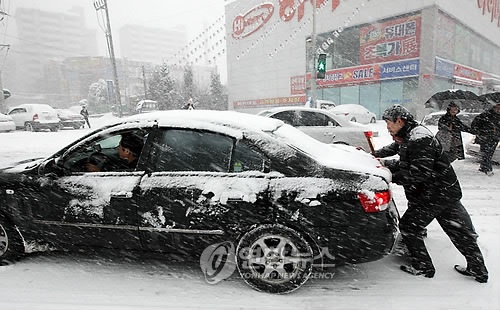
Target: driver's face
{"points": [[123, 152]]}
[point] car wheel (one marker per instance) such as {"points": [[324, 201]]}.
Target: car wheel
{"points": [[54, 129], [274, 258], [11, 244], [353, 119], [373, 120], [28, 127]]}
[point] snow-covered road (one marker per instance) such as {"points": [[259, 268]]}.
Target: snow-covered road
{"points": [[131, 281]]}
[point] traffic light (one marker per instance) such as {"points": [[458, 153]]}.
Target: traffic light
{"points": [[321, 69]]}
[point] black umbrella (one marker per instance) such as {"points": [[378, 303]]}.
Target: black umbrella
{"points": [[493, 98], [465, 99]]}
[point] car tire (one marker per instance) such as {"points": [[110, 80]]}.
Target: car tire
{"points": [[55, 128], [373, 120], [274, 258], [11, 243], [29, 127]]}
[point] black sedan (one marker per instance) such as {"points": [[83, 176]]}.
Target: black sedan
{"points": [[69, 118], [226, 186]]}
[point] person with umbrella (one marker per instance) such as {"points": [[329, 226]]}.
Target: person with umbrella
{"points": [[449, 133], [486, 126]]}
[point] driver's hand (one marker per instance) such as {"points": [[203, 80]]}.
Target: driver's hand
{"points": [[92, 168]]}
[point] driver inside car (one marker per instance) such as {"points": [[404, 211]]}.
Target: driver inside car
{"points": [[129, 149]]}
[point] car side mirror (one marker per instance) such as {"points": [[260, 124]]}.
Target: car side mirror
{"points": [[97, 148], [50, 168]]}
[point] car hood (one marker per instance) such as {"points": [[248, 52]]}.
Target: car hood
{"points": [[21, 166]]}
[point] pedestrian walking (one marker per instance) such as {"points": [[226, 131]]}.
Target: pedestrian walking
{"points": [[486, 127], [85, 113], [449, 133], [189, 105], [433, 192]]}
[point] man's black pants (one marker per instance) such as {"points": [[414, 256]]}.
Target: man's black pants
{"points": [[456, 223]]}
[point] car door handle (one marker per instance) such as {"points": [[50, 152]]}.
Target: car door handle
{"points": [[121, 195]]}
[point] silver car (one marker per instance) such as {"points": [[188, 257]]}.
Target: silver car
{"points": [[324, 126]]}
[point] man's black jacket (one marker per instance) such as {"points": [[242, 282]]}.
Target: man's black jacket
{"points": [[422, 169]]}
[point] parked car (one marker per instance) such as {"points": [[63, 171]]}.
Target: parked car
{"points": [[34, 117], [323, 125], [68, 118], [282, 201], [432, 119], [6, 123], [472, 149], [355, 113], [146, 106]]}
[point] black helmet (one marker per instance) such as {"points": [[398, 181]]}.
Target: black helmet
{"points": [[395, 112]]}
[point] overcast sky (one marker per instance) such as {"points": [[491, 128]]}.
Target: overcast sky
{"points": [[194, 14]]}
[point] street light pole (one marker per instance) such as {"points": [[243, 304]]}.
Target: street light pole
{"points": [[313, 48], [103, 5]]}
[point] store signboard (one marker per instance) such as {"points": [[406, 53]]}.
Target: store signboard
{"points": [[467, 73], [293, 100], [400, 69], [396, 39], [444, 68], [298, 85], [369, 73]]}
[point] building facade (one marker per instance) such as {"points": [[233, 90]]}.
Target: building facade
{"points": [[149, 44], [378, 52], [46, 38]]}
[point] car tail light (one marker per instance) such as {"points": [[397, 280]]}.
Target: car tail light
{"points": [[375, 202], [35, 117]]}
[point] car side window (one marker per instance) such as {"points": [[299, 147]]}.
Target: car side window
{"points": [[16, 111], [190, 150], [288, 117], [309, 118], [248, 158]]}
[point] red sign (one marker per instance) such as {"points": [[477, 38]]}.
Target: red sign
{"points": [[253, 20], [352, 75], [289, 7], [295, 100], [393, 40], [491, 7], [298, 85], [467, 73]]}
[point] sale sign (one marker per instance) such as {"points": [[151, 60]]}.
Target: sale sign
{"points": [[396, 39]]}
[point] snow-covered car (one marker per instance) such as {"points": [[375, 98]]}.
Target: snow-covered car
{"points": [[68, 118], [432, 119], [146, 106], [473, 149], [280, 202], [6, 123], [324, 126], [34, 117], [355, 113]]}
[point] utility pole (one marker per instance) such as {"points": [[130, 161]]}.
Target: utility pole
{"points": [[313, 43], [144, 81], [103, 5]]}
